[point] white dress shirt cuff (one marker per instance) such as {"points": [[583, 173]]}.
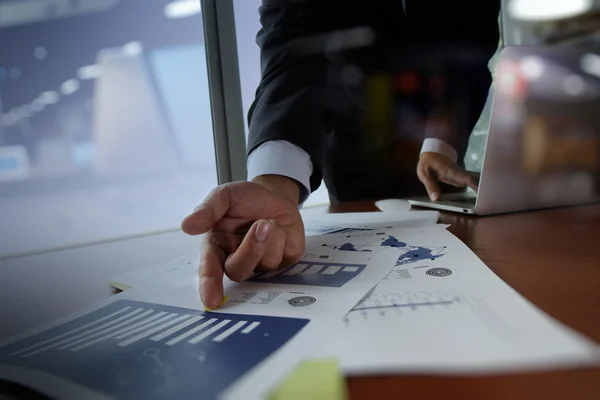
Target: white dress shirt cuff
{"points": [[439, 146], [280, 157]]}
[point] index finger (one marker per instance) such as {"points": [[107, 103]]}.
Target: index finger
{"points": [[430, 183], [476, 177], [210, 273], [472, 183], [460, 178]]}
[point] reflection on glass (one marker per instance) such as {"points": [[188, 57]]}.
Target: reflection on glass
{"points": [[478, 140], [105, 123]]}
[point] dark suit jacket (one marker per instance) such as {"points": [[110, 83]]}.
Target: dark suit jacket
{"points": [[300, 98]]}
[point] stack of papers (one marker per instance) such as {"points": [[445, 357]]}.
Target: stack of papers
{"points": [[185, 267], [374, 293]]}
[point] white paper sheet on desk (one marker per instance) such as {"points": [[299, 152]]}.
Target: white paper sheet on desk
{"points": [[159, 344], [441, 310], [324, 283], [161, 275], [315, 224]]}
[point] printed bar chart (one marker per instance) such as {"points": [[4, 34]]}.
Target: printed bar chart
{"points": [[313, 274], [153, 351]]}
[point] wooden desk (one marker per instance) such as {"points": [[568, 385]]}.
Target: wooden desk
{"points": [[550, 257]]}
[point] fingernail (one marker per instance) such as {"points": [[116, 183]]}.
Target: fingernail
{"points": [[263, 230], [210, 294], [217, 306], [433, 196]]}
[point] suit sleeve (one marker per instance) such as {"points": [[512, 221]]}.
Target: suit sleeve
{"points": [[290, 101], [464, 24]]}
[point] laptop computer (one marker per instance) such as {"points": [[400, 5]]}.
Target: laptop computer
{"points": [[543, 146]]}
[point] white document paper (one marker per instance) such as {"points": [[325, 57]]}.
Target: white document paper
{"points": [[186, 266], [315, 224], [159, 344], [324, 284], [441, 310], [161, 275]]}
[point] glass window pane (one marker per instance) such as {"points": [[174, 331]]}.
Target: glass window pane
{"points": [[247, 25], [105, 127], [478, 140]]}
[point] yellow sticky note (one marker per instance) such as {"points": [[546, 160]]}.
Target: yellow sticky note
{"points": [[120, 286], [314, 380], [223, 302]]}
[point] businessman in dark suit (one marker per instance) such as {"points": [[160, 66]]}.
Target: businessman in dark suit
{"points": [[305, 127]]}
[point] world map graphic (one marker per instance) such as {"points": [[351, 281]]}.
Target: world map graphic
{"points": [[410, 254]]}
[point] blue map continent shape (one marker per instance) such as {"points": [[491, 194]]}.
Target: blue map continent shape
{"points": [[416, 253], [350, 247], [393, 242]]}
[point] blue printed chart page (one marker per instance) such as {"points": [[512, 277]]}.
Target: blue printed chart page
{"points": [[159, 344]]}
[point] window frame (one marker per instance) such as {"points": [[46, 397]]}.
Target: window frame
{"points": [[225, 89]]}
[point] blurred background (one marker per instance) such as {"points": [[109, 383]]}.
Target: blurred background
{"points": [[105, 121], [105, 116]]}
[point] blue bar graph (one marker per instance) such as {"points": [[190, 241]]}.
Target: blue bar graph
{"points": [[132, 349], [313, 273]]}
